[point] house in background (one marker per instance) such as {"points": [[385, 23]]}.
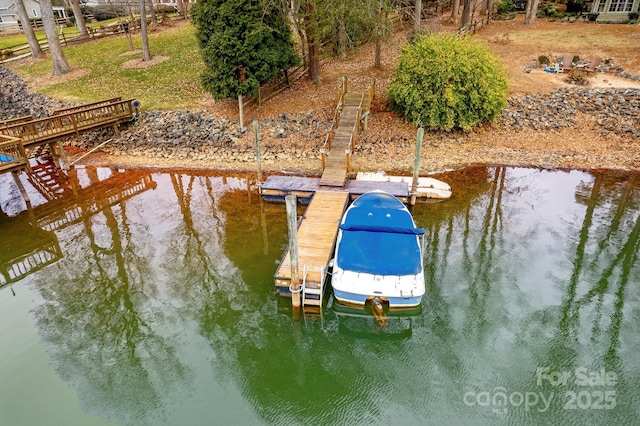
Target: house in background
{"points": [[9, 16], [614, 11]]}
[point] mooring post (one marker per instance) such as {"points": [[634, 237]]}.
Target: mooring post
{"points": [[25, 196], [241, 110], [256, 133], [63, 156], [292, 222], [416, 165]]}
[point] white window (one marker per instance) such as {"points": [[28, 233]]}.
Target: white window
{"points": [[621, 6]]}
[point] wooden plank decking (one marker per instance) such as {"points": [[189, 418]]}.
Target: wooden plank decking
{"points": [[342, 142], [12, 154], [277, 187], [318, 228], [80, 119], [316, 241]]}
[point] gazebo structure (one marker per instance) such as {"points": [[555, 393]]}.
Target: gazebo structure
{"points": [[614, 11]]}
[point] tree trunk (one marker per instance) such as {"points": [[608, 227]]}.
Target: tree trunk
{"points": [[152, 12], [342, 38], [146, 54], [466, 14], [417, 18], [60, 65], [490, 7], [36, 50], [531, 9], [77, 13], [378, 61], [455, 11], [380, 34], [312, 40]]}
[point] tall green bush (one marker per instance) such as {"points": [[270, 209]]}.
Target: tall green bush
{"points": [[448, 81], [244, 43]]}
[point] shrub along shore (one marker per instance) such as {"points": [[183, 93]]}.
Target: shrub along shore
{"points": [[567, 127]]}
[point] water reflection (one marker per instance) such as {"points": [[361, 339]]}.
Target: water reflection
{"points": [[157, 303]]}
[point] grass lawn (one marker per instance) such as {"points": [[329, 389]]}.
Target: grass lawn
{"points": [[172, 84], [175, 83]]}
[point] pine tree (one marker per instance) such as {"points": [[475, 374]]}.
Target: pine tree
{"points": [[243, 43]]}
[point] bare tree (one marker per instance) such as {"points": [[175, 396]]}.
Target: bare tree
{"points": [[313, 48], [466, 13], [36, 50], [77, 13], [152, 12], [531, 9], [417, 20], [60, 65], [382, 30], [455, 11], [146, 54]]}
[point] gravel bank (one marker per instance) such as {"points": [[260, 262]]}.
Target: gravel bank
{"points": [[568, 127]]}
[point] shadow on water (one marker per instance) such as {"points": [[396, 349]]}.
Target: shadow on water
{"points": [[158, 303]]}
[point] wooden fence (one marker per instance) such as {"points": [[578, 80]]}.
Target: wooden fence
{"points": [[69, 38], [273, 88]]}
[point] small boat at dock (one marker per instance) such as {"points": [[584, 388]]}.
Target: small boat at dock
{"points": [[378, 257], [427, 187]]}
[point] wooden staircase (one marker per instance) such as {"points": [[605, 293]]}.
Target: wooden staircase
{"points": [[339, 145]]}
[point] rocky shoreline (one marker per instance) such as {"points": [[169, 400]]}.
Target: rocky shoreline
{"points": [[567, 127]]}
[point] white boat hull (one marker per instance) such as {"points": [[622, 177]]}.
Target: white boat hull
{"points": [[358, 288], [427, 187]]}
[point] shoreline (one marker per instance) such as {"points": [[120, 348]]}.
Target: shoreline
{"points": [[596, 128], [566, 148], [579, 128]]}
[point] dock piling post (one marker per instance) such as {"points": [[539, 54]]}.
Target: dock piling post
{"points": [[292, 224], [256, 133], [416, 165], [63, 156]]}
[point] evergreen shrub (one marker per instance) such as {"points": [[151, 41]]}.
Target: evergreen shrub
{"points": [[448, 81]]}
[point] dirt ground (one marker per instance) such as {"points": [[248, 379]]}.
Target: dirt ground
{"points": [[517, 46]]}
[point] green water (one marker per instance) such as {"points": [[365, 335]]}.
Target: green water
{"points": [[146, 297]]}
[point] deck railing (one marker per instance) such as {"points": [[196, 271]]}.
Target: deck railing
{"points": [[12, 153], [49, 129], [86, 106]]}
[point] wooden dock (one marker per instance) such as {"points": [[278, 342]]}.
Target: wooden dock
{"points": [[275, 188], [13, 157], [340, 142], [329, 194], [21, 137], [317, 231], [71, 122]]}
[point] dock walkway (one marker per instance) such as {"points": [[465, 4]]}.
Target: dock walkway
{"points": [[317, 233], [340, 143], [330, 195]]}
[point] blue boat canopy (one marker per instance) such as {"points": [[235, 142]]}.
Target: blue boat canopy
{"points": [[379, 237]]}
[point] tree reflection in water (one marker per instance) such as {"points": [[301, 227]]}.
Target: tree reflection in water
{"points": [[525, 268]]}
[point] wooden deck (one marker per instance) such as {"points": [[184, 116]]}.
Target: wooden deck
{"points": [[277, 187], [317, 231], [71, 123], [20, 137], [12, 154]]}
